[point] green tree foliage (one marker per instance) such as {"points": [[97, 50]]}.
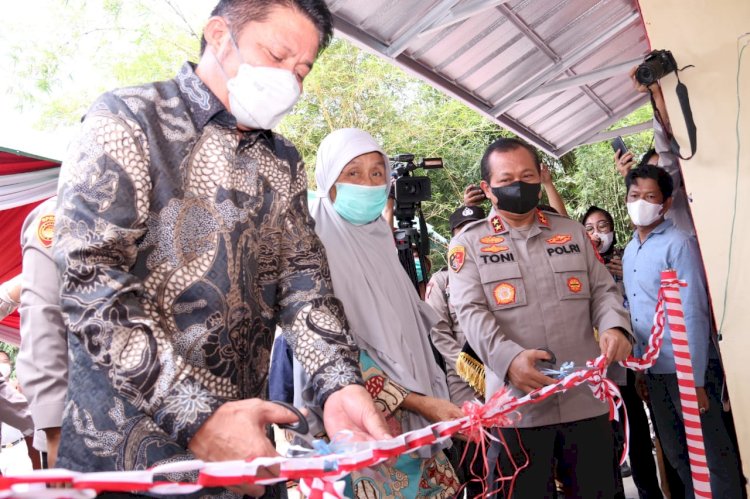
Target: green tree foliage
{"points": [[79, 49], [586, 176]]}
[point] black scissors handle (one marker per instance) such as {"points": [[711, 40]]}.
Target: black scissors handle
{"points": [[301, 427], [552, 360]]}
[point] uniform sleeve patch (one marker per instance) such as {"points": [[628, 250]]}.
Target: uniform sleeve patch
{"points": [[574, 285], [456, 257], [559, 239], [46, 230], [504, 293]]}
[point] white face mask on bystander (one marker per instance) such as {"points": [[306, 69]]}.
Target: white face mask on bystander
{"points": [[643, 213]]}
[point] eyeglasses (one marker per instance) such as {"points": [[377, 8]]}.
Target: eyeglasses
{"points": [[600, 227]]}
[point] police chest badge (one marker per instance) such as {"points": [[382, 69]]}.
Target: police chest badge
{"points": [[494, 249], [559, 239], [575, 285], [492, 240], [456, 257], [504, 293], [46, 230]]}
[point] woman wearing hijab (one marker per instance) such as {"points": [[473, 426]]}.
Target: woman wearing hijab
{"points": [[389, 322]]}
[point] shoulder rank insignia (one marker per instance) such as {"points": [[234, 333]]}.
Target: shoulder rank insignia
{"points": [[542, 218], [559, 239], [456, 257], [492, 240], [494, 249], [574, 285], [504, 293], [497, 224], [46, 230]]}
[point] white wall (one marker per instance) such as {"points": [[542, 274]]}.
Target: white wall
{"points": [[704, 33]]}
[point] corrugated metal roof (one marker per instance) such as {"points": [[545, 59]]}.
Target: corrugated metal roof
{"points": [[553, 71]]}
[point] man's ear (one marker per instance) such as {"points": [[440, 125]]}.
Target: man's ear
{"points": [[486, 189], [216, 33]]}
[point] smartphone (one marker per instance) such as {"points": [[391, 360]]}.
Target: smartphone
{"points": [[619, 145]]}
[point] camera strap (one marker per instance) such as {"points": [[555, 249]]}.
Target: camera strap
{"points": [[687, 113]]}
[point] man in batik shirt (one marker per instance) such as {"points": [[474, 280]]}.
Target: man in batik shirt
{"points": [[183, 238]]}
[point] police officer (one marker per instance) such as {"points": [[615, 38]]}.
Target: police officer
{"points": [[447, 335], [448, 338], [523, 280], [43, 356]]}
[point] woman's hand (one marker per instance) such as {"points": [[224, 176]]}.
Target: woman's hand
{"points": [[615, 267], [431, 408]]}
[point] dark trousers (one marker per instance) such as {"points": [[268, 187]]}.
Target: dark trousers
{"points": [[641, 448], [723, 464], [584, 460]]}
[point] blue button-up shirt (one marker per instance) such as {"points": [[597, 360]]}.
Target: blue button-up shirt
{"points": [[667, 247]]}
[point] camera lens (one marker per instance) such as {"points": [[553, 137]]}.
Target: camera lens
{"points": [[645, 75]]}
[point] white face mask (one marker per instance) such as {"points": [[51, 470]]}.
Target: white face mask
{"points": [[260, 97], [606, 240], [643, 213], [5, 370]]}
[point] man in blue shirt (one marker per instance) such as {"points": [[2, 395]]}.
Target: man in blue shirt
{"points": [[658, 245]]}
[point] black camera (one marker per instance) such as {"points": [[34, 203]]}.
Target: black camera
{"points": [[656, 64], [409, 193], [408, 189]]}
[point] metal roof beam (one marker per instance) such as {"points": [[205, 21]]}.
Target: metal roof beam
{"points": [[624, 131], [357, 35], [527, 30], [399, 44], [593, 130], [561, 66], [469, 9], [584, 78]]}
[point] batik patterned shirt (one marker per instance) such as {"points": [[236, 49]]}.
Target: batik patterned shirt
{"points": [[182, 242]]}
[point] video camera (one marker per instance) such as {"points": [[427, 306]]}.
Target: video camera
{"points": [[655, 65], [409, 193]]}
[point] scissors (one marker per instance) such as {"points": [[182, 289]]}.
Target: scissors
{"points": [[301, 430]]}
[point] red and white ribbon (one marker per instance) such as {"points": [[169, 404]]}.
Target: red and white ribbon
{"points": [[320, 475], [686, 383]]}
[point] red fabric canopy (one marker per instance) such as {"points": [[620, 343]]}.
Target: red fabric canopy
{"points": [[11, 220], [18, 162]]}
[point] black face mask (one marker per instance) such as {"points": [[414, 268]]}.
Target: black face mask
{"points": [[518, 197]]}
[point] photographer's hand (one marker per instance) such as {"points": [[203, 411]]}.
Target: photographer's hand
{"points": [[656, 94], [624, 162], [473, 195]]}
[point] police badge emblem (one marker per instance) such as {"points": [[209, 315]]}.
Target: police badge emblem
{"points": [[456, 257]]}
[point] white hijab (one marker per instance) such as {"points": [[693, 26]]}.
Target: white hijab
{"points": [[386, 316]]}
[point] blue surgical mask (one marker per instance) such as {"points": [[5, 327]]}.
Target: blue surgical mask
{"points": [[360, 204], [418, 265]]}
